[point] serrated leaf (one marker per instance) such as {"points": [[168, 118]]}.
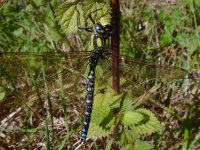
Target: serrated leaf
{"points": [[149, 124], [128, 137], [142, 145], [102, 122], [106, 98], [103, 116], [100, 11], [127, 103], [68, 15], [62, 8], [126, 147], [95, 131], [132, 118]]}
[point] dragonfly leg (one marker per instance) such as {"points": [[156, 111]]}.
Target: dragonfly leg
{"points": [[89, 16], [87, 28]]}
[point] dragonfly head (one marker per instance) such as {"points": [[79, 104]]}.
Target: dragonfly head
{"points": [[103, 31]]}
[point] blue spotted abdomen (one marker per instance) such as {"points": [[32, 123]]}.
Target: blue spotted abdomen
{"points": [[89, 97]]}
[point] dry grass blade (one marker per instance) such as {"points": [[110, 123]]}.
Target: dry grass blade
{"points": [[146, 96]]}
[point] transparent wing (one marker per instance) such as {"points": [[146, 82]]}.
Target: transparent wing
{"points": [[20, 64], [27, 78], [35, 80], [28, 72], [137, 77]]}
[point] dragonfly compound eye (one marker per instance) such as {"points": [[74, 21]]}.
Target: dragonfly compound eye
{"points": [[99, 29]]}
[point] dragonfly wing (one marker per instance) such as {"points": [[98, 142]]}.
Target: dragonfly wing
{"points": [[22, 70], [142, 76], [151, 70], [139, 76]]}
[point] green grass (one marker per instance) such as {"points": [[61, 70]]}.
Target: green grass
{"points": [[47, 105]]}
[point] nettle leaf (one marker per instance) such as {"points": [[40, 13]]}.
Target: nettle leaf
{"points": [[100, 11], [71, 14], [128, 137], [103, 116], [102, 122], [68, 15], [126, 103], [132, 118], [95, 131], [149, 124], [142, 145], [106, 97]]}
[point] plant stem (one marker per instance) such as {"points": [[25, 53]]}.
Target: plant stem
{"points": [[115, 44]]}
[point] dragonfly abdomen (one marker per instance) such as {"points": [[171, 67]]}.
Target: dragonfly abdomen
{"points": [[89, 97]]}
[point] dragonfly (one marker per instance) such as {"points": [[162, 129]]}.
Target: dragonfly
{"points": [[22, 74], [71, 66]]}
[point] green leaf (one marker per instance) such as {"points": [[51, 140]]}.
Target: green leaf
{"points": [[126, 147], [29, 8], [193, 44], [95, 131], [128, 137], [18, 32], [142, 145], [166, 39], [100, 11], [127, 104], [197, 30], [68, 14], [197, 3], [177, 16], [106, 96], [102, 122], [38, 2], [103, 116], [132, 118], [169, 27], [182, 39], [149, 124], [162, 15], [148, 12]]}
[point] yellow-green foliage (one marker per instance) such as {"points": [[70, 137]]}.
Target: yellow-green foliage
{"points": [[73, 14]]}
